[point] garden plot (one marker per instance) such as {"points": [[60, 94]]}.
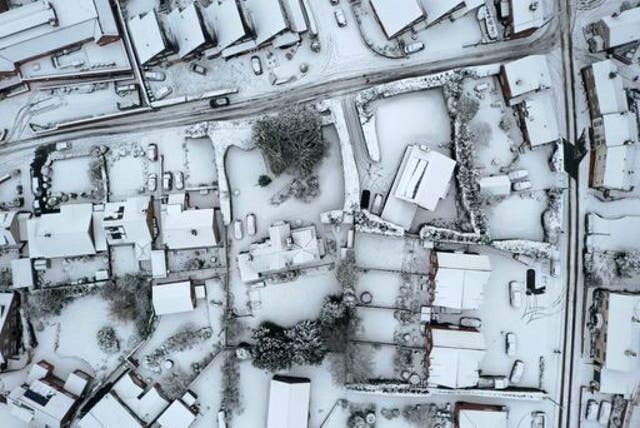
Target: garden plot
{"points": [[519, 216], [391, 253], [78, 339], [245, 167], [127, 169], [185, 341], [393, 290], [72, 175], [201, 166], [537, 324], [392, 362], [385, 327], [123, 260], [191, 260], [77, 270]]}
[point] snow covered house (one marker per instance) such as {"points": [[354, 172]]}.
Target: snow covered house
{"points": [[148, 38], [128, 222], [186, 28], [458, 279], [173, 298], [617, 29], [523, 76], [288, 402], [522, 17], [285, 249], [618, 345], [267, 20], [67, 233], [10, 327], [22, 274], [40, 28], [10, 229], [539, 119], [183, 228], [471, 415], [225, 23], [397, 16], [605, 93], [454, 356], [129, 403], [613, 152], [177, 415], [439, 10], [45, 400], [423, 178]]}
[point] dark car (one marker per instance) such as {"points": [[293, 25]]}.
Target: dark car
{"points": [[219, 102]]}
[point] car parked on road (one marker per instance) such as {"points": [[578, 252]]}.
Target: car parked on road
{"points": [[412, 48], [516, 372], [167, 180], [219, 102], [518, 174], [163, 92], [152, 182], [198, 69]]}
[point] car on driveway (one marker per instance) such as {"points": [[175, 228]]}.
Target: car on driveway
{"points": [[152, 152], [198, 69], [511, 344], [341, 19], [178, 180], [516, 372], [256, 64], [251, 224], [238, 231], [152, 182], [515, 294], [167, 180]]}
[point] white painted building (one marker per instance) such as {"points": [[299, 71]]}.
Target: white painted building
{"points": [[183, 228], [225, 23], [617, 29], [147, 37], [424, 177], [613, 152], [524, 16], [540, 119], [173, 298], [439, 10], [469, 415], [285, 249], [605, 92], [186, 27], [177, 415], [288, 402], [454, 357], [458, 280], [397, 16], [523, 76]]}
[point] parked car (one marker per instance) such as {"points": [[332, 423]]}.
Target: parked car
{"points": [[179, 180], [152, 182], [334, 2], [256, 64], [238, 231], [156, 76], [538, 420], [376, 208], [65, 145], [515, 294], [470, 322], [493, 382], [521, 186], [501, 382], [219, 102], [167, 180], [518, 174], [3, 134], [251, 224], [412, 48], [591, 412], [163, 92], [604, 413], [198, 69], [524, 259], [516, 372], [341, 19], [511, 344], [152, 152]]}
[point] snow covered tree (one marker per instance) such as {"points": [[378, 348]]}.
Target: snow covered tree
{"points": [[230, 383], [347, 273], [307, 343], [107, 340], [291, 140], [272, 350], [264, 180], [628, 264], [599, 266]]}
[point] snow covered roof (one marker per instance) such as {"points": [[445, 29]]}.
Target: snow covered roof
{"points": [[455, 357], [267, 17], [622, 332], [128, 223], [288, 402], [395, 16], [186, 27], [182, 229], [177, 415], [225, 21], [622, 27], [172, 298], [63, 234], [147, 37], [436, 10], [526, 15], [109, 412], [609, 92], [422, 180], [39, 28], [525, 75], [296, 15], [284, 249], [540, 118], [158, 264], [460, 280], [9, 228], [495, 185], [22, 273], [474, 418], [46, 404], [613, 166], [76, 383], [6, 300]]}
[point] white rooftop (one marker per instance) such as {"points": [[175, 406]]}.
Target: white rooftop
{"points": [[63, 234], [288, 403], [186, 27], [622, 28], [438, 9], [527, 74], [177, 415], [621, 136], [22, 273], [109, 412], [460, 280], [541, 118], [526, 15], [609, 90], [455, 357], [472, 418], [397, 15], [623, 333], [146, 35], [187, 228], [172, 298], [224, 19], [268, 19]]}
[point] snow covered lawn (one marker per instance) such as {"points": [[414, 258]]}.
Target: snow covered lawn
{"points": [[71, 175], [519, 216]]}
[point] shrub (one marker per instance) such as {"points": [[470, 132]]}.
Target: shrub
{"points": [[107, 340], [264, 180]]}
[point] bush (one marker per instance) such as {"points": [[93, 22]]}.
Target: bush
{"points": [[291, 141], [48, 302], [264, 180], [230, 383], [129, 299], [107, 340]]}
